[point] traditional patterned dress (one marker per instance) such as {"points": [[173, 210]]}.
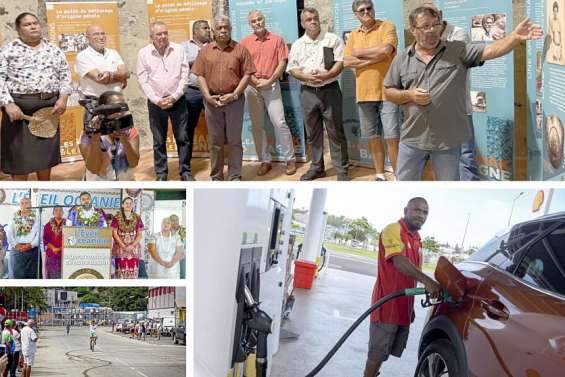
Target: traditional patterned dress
{"points": [[53, 234], [127, 262], [94, 217]]}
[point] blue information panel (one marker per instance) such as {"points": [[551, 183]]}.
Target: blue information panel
{"points": [[546, 93], [344, 22], [281, 17], [492, 85]]}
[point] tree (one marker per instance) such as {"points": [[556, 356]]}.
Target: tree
{"points": [[24, 298], [360, 229], [431, 245], [117, 298]]}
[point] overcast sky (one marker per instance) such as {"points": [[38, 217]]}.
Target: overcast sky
{"points": [[489, 209]]}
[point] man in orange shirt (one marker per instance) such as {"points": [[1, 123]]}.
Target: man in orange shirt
{"points": [[270, 54], [370, 50], [399, 267]]}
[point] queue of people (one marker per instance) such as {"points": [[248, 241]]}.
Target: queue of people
{"points": [[218, 74], [165, 250]]}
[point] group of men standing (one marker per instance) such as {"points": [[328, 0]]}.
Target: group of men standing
{"points": [[429, 80]]}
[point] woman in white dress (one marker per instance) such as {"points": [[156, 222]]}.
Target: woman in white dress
{"points": [[166, 250]]}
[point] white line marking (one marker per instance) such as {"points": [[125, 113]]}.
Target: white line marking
{"points": [[142, 374], [336, 266]]}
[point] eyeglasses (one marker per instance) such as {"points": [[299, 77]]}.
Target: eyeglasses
{"points": [[431, 27], [364, 10]]}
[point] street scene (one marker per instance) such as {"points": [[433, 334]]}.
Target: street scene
{"points": [[423, 282], [94, 331]]}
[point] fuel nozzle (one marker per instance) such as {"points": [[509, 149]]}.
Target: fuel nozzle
{"points": [[260, 323]]}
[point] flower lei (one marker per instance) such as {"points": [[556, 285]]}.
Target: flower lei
{"points": [[127, 226], [24, 224], [56, 229], [88, 221]]}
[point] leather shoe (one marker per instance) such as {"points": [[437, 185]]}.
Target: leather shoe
{"points": [[312, 174], [187, 177], [263, 169], [161, 178], [290, 168]]}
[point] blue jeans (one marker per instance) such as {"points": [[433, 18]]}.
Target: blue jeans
{"points": [[411, 163], [468, 168]]}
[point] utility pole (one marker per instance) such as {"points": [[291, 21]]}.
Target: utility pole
{"points": [[465, 232]]}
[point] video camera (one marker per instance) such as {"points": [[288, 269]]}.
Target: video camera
{"points": [[107, 126]]}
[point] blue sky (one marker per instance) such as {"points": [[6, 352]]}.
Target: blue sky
{"points": [[489, 209]]}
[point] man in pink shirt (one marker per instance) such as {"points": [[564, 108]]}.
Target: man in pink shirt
{"points": [[162, 71], [270, 54]]}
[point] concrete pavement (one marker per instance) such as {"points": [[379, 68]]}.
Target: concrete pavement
{"points": [[323, 314], [114, 355]]}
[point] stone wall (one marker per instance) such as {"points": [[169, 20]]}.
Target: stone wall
{"points": [[134, 35]]}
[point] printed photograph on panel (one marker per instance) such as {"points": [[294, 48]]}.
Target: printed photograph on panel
{"points": [[555, 16], [488, 27]]}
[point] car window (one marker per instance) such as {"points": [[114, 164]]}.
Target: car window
{"points": [[494, 249], [544, 263]]}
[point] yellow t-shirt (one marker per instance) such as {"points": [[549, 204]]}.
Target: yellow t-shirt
{"points": [[369, 80]]}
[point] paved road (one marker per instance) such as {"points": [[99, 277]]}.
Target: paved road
{"points": [[352, 263], [62, 355]]}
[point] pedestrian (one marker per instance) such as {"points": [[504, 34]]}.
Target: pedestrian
{"points": [[429, 80], [159, 327], [29, 346], [16, 329], [399, 267], [193, 95], [68, 327], [23, 237], [369, 51], [263, 94], [34, 74], [316, 60], [9, 345], [162, 71], [223, 68], [143, 329]]}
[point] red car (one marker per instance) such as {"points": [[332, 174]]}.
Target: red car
{"points": [[510, 318]]}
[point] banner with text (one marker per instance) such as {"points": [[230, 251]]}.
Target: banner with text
{"points": [[87, 253], [67, 29], [492, 85], [281, 19], [344, 22]]}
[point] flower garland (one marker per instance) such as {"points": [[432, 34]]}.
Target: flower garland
{"points": [[127, 226], [88, 221], [24, 224], [56, 229]]}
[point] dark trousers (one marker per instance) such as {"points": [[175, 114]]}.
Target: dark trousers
{"points": [[194, 104], [25, 264], [13, 364], [158, 122], [324, 106], [224, 127]]}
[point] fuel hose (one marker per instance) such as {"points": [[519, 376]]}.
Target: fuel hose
{"points": [[375, 306]]}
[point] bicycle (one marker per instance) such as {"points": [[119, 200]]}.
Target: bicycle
{"points": [[93, 342]]}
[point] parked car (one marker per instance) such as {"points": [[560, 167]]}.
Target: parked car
{"points": [[168, 326], [179, 334], [511, 321]]}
